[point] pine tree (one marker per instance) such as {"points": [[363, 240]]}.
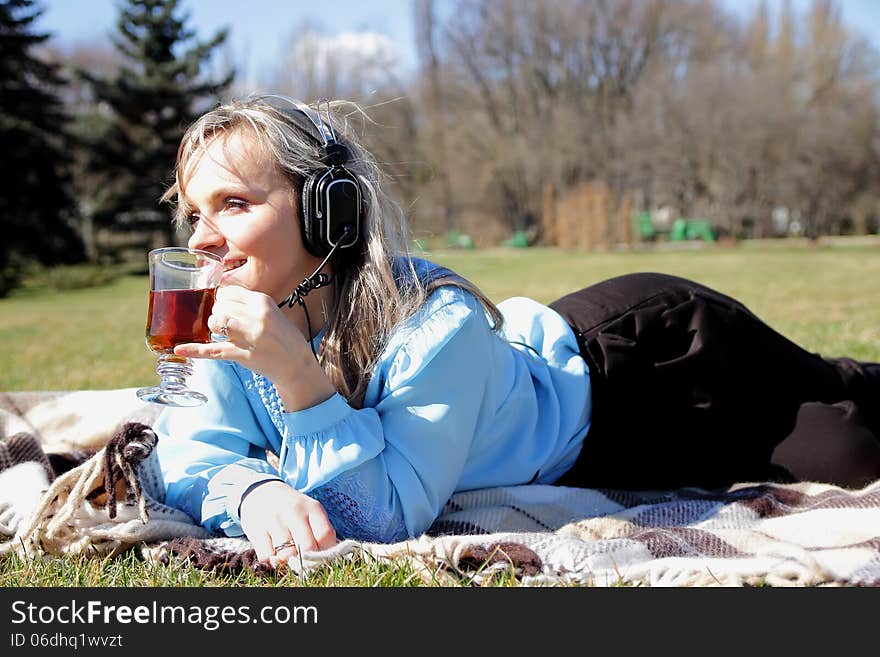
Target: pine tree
{"points": [[36, 207], [152, 98]]}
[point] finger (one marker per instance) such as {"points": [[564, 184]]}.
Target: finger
{"points": [[229, 292], [262, 543], [243, 303], [284, 546], [214, 350], [230, 319], [222, 313], [301, 532], [285, 551], [236, 294], [218, 324], [225, 314], [322, 530]]}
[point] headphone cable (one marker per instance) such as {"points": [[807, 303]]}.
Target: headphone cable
{"points": [[316, 280]]}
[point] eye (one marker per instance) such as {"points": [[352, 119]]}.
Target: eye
{"points": [[192, 221], [235, 204]]}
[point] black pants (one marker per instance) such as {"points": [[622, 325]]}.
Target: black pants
{"points": [[690, 388]]}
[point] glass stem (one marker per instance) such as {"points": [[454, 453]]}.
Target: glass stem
{"points": [[174, 370]]}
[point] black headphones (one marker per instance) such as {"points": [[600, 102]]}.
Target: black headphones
{"points": [[332, 203]]}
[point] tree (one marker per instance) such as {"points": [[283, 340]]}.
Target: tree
{"points": [[36, 208], [426, 27], [152, 98], [98, 58], [534, 94]]}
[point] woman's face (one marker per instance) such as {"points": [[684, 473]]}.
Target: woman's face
{"points": [[242, 208]]}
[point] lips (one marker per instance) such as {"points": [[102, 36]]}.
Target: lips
{"points": [[229, 265]]}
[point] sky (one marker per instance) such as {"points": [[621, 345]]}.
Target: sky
{"points": [[259, 28], [863, 16]]}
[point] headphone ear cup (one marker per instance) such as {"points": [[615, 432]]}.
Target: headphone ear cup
{"points": [[310, 226], [331, 208], [338, 207]]}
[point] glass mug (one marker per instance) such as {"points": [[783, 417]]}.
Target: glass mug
{"points": [[183, 284]]}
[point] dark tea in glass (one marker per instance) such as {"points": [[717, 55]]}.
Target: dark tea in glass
{"points": [[183, 285], [178, 316]]}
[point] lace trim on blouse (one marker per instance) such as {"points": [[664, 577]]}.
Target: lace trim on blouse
{"points": [[353, 510], [271, 400]]}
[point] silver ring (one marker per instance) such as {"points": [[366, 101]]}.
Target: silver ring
{"points": [[224, 331], [285, 544]]}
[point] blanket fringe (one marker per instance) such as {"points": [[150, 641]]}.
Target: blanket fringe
{"points": [[754, 534], [71, 518], [58, 526]]}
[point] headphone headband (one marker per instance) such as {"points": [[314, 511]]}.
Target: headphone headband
{"points": [[290, 106], [335, 154], [331, 197]]}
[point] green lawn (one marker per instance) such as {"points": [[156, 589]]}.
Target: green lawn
{"points": [[77, 339], [827, 299]]}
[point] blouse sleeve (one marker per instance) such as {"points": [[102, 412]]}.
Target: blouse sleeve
{"points": [[211, 454], [382, 472], [385, 472]]}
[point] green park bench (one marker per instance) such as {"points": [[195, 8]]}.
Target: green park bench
{"points": [[692, 229], [682, 229]]}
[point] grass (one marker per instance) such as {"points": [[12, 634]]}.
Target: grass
{"points": [[129, 570], [825, 298], [79, 339]]}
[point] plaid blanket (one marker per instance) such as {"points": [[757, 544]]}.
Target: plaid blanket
{"points": [[754, 533]]}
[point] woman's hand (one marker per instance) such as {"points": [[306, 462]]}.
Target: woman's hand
{"points": [[261, 338], [273, 513]]}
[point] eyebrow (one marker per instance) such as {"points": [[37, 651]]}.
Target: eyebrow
{"points": [[230, 189]]}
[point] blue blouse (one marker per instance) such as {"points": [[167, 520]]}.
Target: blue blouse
{"points": [[452, 405]]}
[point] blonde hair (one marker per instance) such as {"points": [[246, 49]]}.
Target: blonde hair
{"points": [[369, 298]]}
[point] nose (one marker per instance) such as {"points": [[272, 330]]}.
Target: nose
{"points": [[206, 235]]}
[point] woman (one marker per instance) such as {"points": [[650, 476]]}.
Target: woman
{"points": [[379, 384]]}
